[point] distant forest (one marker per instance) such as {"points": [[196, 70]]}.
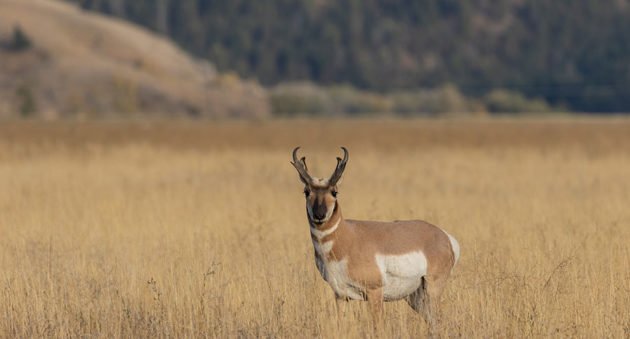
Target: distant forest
{"points": [[574, 53]]}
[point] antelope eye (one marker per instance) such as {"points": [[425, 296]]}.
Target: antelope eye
{"points": [[334, 194], [306, 192]]}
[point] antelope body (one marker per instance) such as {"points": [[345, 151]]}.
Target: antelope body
{"points": [[371, 260]]}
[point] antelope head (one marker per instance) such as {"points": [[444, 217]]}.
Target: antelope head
{"points": [[320, 194]]}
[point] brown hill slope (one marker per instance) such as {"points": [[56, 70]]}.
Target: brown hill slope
{"points": [[81, 63]]}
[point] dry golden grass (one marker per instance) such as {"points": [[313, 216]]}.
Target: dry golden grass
{"points": [[184, 230]]}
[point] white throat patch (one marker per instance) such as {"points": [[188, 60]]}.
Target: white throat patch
{"points": [[321, 234]]}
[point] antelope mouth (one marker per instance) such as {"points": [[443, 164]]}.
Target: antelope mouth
{"points": [[319, 222]]}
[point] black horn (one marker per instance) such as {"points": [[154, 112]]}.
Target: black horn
{"points": [[300, 166], [341, 166]]}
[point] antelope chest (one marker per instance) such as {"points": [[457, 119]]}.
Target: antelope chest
{"points": [[336, 275], [335, 272]]}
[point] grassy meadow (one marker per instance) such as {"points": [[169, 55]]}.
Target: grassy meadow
{"points": [[199, 229]]}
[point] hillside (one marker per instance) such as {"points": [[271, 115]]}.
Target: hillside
{"points": [[571, 53], [72, 62]]}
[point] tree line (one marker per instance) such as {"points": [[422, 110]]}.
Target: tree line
{"points": [[574, 53]]}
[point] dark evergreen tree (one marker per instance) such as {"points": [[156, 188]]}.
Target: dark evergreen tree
{"points": [[19, 41], [571, 52]]}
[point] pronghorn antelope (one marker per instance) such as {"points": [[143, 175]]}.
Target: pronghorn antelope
{"points": [[372, 260]]}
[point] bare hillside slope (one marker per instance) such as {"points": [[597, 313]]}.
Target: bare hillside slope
{"points": [[80, 63]]}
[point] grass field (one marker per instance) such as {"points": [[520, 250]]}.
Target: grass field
{"points": [[199, 230]]}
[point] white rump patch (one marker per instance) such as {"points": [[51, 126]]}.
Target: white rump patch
{"points": [[401, 274], [454, 246]]}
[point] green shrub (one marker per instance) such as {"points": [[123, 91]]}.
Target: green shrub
{"points": [[348, 100], [27, 105], [299, 98], [445, 99], [504, 101], [307, 98]]}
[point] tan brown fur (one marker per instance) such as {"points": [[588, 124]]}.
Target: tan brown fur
{"points": [[358, 243]]}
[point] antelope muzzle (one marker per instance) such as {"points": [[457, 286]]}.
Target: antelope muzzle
{"points": [[319, 211]]}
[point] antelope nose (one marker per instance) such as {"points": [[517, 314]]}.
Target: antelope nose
{"points": [[319, 211]]}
